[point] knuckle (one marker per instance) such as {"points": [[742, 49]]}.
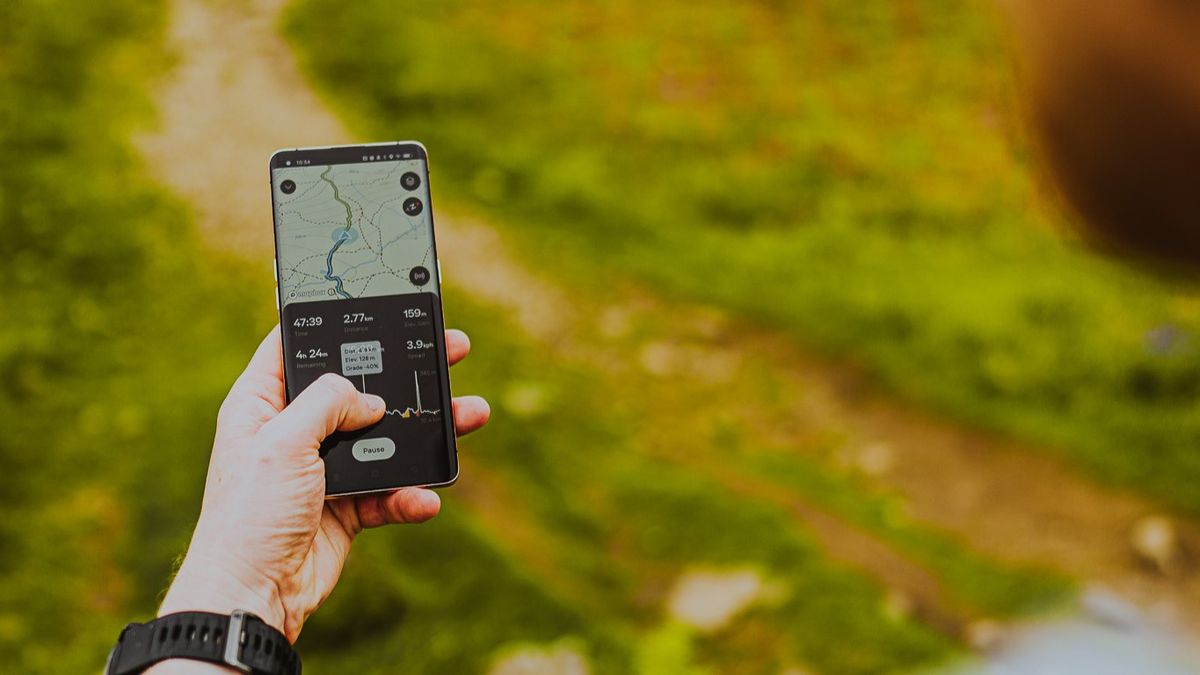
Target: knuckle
{"points": [[337, 385], [229, 408], [271, 436], [224, 411]]}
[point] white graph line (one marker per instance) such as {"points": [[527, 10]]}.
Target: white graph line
{"points": [[413, 412]]}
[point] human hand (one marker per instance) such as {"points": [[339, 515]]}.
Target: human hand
{"points": [[267, 541]]}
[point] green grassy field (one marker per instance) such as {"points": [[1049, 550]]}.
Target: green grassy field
{"points": [[874, 207], [607, 541], [101, 452], [111, 377], [850, 173]]}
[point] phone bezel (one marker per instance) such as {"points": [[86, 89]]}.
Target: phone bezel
{"points": [[352, 154]]}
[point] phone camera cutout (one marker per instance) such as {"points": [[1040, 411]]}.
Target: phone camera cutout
{"points": [[288, 186], [410, 180], [413, 206]]}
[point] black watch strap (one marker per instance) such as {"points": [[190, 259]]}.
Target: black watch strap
{"points": [[240, 640]]}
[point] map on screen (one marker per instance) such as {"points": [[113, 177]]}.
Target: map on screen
{"points": [[352, 231]]}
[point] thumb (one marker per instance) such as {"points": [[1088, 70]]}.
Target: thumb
{"points": [[330, 404]]}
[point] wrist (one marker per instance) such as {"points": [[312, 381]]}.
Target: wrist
{"points": [[199, 642], [203, 585], [187, 667]]}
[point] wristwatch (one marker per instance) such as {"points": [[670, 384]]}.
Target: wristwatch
{"points": [[240, 640]]}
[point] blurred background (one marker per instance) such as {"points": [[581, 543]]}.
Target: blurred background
{"points": [[806, 344]]}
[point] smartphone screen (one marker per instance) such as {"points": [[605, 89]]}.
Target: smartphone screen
{"points": [[359, 295]]}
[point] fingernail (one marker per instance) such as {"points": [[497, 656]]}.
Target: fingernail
{"points": [[375, 403], [430, 499]]}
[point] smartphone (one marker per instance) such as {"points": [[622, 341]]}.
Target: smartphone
{"points": [[359, 294]]}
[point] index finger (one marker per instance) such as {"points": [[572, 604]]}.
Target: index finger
{"points": [[264, 374], [257, 394]]}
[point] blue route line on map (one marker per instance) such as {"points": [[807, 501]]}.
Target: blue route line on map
{"points": [[329, 275]]}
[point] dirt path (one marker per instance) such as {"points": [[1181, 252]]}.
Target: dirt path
{"points": [[237, 94]]}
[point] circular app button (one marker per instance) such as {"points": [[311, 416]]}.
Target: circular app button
{"points": [[288, 186], [410, 180], [413, 206], [419, 276]]}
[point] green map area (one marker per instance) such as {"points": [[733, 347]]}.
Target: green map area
{"points": [[343, 231]]}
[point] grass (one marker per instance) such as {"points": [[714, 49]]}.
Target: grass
{"points": [[615, 526], [110, 378], [850, 174], [612, 516], [111, 382], [104, 434], [773, 202]]}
